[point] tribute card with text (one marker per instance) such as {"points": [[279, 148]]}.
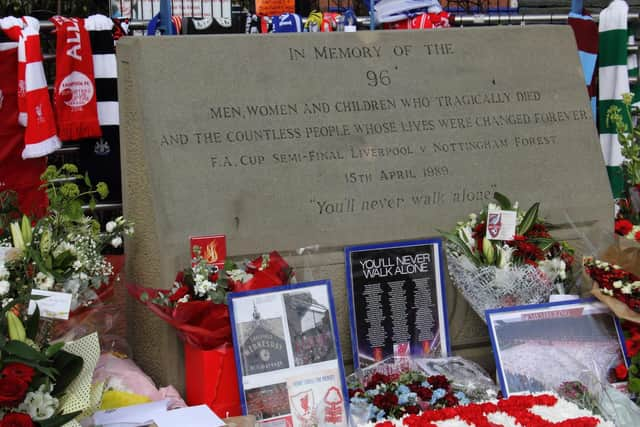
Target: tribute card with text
{"points": [[397, 300]]}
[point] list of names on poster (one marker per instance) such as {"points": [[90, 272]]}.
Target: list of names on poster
{"points": [[374, 317], [424, 309], [398, 303]]}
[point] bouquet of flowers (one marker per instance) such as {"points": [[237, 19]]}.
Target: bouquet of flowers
{"points": [[494, 273], [196, 304], [383, 396], [42, 384], [613, 281], [61, 251]]}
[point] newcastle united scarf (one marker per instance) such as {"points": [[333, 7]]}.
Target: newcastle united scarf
{"points": [[75, 91]]}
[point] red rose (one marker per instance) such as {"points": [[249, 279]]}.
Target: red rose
{"points": [[354, 391], [450, 399], [19, 370], [414, 409], [438, 381], [621, 372], [386, 401], [179, 293], [377, 378], [424, 394], [12, 391], [16, 419], [637, 236]]}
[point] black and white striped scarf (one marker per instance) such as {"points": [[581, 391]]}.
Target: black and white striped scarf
{"points": [[101, 158]]}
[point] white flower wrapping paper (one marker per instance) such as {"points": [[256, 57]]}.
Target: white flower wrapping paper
{"points": [[78, 395], [490, 287]]}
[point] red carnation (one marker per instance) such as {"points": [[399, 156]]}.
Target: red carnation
{"points": [[12, 391], [623, 227], [621, 372], [16, 419], [19, 370]]}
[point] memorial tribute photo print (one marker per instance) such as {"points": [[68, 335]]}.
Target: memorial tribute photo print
{"points": [[539, 347], [288, 354]]}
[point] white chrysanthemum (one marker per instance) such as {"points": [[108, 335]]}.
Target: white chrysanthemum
{"points": [[44, 281], [111, 225], [39, 404], [617, 284], [4, 287], [116, 242]]}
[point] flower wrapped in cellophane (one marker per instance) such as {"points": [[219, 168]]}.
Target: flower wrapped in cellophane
{"points": [[196, 304], [524, 269], [63, 250], [42, 384]]}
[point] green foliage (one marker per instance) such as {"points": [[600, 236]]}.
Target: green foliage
{"points": [[628, 136]]}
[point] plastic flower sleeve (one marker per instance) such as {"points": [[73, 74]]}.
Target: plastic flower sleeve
{"points": [[488, 287], [78, 396], [591, 390], [463, 374]]}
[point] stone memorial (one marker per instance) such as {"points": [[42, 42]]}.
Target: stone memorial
{"points": [[286, 141]]}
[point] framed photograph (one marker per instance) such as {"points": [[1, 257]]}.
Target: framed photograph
{"points": [[397, 302], [288, 355], [538, 347]]}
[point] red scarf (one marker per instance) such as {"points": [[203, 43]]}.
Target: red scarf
{"points": [[75, 88], [34, 106]]}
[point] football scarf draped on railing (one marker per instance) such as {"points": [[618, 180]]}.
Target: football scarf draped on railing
{"points": [[35, 112], [614, 82], [75, 92]]}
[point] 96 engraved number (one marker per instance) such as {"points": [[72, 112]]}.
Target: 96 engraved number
{"points": [[378, 78]]}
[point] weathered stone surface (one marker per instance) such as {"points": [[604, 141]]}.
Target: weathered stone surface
{"points": [[248, 136]]}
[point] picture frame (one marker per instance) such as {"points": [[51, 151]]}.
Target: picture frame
{"points": [[288, 356], [385, 279], [540, 346]]}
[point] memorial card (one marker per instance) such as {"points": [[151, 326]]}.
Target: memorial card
{"points": [[539, 347], [288, 355], [397, 301]]}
